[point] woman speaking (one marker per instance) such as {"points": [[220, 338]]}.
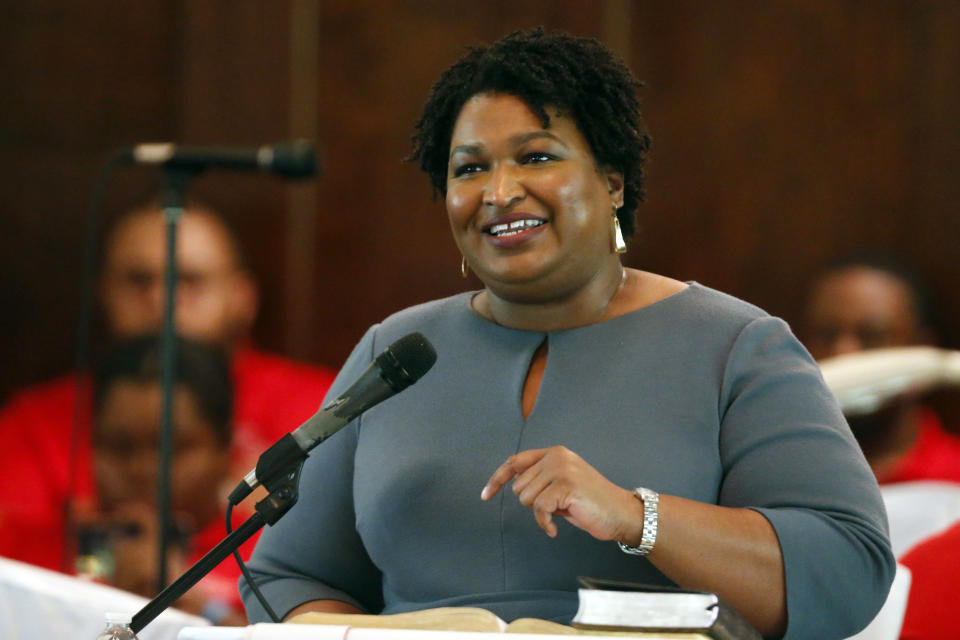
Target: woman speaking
{"points": [[582, 419]]}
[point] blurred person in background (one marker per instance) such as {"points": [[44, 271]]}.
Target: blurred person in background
{"points": [[118, 531], [45, 448], [873, 302]]}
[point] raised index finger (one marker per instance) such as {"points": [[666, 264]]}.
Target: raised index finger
{"points": [[512, 467]]}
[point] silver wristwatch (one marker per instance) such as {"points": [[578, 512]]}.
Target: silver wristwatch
{"points": [[651, 503]]}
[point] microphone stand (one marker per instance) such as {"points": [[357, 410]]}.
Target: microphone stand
{"points": [[173, 187], [283, 494], [283, 486]]}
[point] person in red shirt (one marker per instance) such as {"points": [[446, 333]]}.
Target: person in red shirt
{"points": [[869, 303], [118, 531], [217, 301], [934, 588], [45, 429]]}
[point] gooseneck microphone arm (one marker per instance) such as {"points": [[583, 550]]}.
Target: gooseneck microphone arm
{"points": [[268, 511], [400, 365]]}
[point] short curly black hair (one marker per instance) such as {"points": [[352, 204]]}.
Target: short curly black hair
{"points": [[578, 76]]}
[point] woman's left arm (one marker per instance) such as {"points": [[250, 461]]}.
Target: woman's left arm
{"points": [[795, 539], [729, 551]]}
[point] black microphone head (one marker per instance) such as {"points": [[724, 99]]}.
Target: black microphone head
{"points": [[406, 360], [295, 159]]}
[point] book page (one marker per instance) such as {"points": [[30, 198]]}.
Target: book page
{"points": [[472, 619], [440, 619], [536, 625], [645, 610]]}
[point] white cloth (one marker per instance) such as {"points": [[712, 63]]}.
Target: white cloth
{"points": [[918, 510], [38, 603]]}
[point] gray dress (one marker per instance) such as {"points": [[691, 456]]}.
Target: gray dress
{"points": [[699, 395]]}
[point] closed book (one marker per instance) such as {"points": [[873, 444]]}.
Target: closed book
{"points": [[622, 606]]}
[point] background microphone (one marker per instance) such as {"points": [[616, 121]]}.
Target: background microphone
{"points": [[399, 366], [295, 159], [864, 381]]}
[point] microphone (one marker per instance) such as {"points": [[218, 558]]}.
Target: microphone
{"points": [[863, 381], [289, 159], [399, 366]]}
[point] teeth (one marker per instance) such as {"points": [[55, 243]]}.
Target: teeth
{"points": [[514, 228]]}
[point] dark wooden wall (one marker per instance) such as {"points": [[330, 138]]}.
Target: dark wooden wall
{"points": [[784, 134]]}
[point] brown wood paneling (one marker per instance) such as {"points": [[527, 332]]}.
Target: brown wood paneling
{"points": [[235, 90], [79, 80], [784, 134], [789, 133]]}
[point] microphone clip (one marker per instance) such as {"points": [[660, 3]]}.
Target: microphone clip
{"points": [[283, 460]]}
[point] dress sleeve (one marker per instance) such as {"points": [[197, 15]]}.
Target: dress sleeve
{"points": [[314, 551], [788, 453]]}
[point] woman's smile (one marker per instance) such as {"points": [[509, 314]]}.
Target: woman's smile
{"points": [[513, 229]]}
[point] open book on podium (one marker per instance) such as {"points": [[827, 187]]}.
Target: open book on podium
{"points": [[606, 609], [625, 610]]}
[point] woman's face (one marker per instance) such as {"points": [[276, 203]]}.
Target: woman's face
{"points": [[529, 209]]}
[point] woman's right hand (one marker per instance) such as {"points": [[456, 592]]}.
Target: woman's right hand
{"points": [[558, 482]]}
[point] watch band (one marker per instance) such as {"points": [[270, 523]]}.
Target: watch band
{"points": [[651, 512]]}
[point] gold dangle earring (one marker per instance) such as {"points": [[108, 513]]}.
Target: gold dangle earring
{"points": [[619, 246], [464, 267]]}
